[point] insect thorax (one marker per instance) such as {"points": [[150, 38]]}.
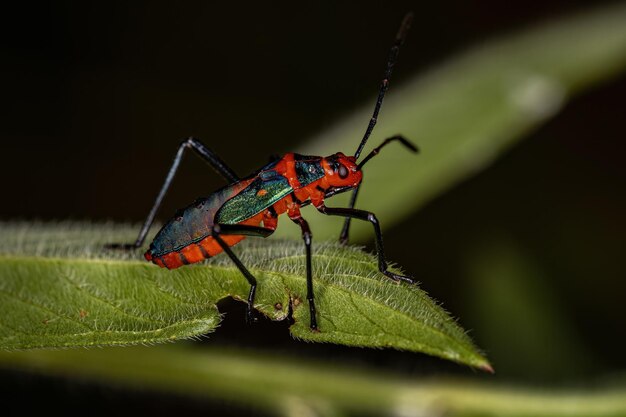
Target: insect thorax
{"points": [[308, 169]]}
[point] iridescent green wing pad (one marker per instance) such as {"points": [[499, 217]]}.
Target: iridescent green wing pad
{"points": [[265, 190]]}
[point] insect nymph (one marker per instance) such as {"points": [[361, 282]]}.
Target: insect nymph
{"points": [[250, 206]]}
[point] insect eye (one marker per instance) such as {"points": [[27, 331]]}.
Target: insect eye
{"points": [[343, 172]]}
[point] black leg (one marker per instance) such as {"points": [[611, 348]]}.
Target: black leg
{"points": [[242, 229], [343, 237], [307, 237], [345, 231], [205, 153], [380, 250], [238, 229]]}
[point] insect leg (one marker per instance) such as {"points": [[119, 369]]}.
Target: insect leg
{"points": [[345, 231], [307, 236], [240, 229], [243, 229], [343, 237], [212, 159], [205, 153], [380, 250]]}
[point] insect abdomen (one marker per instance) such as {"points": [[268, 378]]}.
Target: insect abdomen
{"points": [[192, 253], [186, 238]]}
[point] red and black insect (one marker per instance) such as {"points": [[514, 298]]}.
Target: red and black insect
{"points": [[250, 206]]}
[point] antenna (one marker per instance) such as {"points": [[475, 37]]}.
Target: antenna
{"points": [[384, 85]]}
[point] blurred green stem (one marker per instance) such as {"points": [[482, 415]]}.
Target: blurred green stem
{"points": [[277, 385]]}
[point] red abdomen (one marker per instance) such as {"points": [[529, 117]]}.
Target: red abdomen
{"points": [[192, 253], [186, 239]]}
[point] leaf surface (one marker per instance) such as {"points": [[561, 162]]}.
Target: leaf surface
{"points": [[59, 288]]}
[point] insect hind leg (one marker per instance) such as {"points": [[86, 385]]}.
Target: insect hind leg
{"points": [[207, 155]]}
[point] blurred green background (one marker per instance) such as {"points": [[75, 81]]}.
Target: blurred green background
{"points": [[528, 253]]}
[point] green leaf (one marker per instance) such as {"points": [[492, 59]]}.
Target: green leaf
{"points": [[59, 288], [465, 112]]}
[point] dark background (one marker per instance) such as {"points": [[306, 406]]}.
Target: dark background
{"points": [[97, 96]]}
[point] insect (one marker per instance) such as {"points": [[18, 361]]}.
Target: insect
{"points": [[250, 206]]}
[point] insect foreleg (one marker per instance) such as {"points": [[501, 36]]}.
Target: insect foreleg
{"points": [[345, 231], [380, 250], [343, 237]]}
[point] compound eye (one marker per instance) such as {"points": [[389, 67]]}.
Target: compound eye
{"points": [[343, 172]]}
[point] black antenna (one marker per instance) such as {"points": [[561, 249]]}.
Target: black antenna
{"points": [[384, 85], [377, 149]]}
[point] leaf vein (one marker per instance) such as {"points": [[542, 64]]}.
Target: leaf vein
{"points": [[31, 303], [109, 303]]}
